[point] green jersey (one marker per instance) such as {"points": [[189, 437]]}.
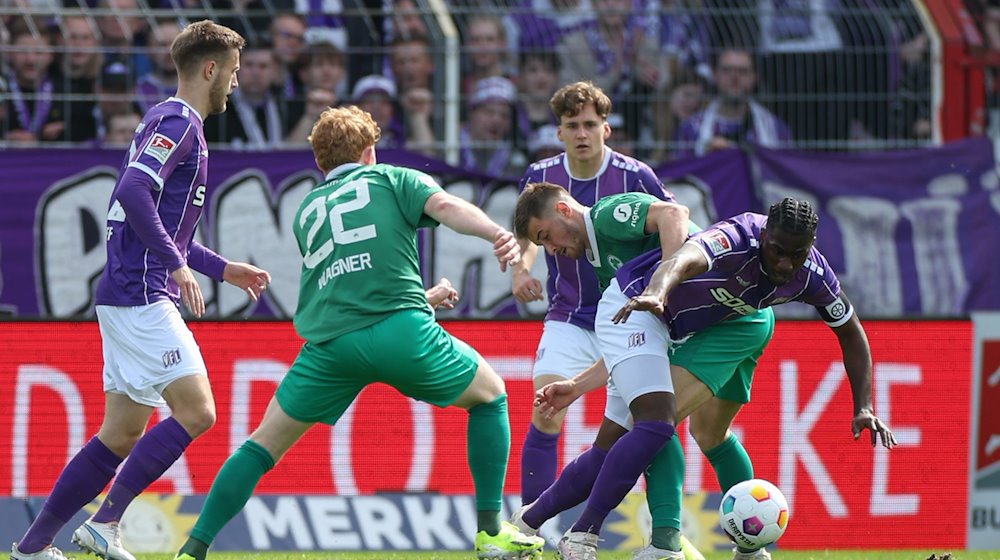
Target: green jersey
{"points": [[616, 228], [357, 232]]}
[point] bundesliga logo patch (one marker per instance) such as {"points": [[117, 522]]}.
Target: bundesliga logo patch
{"points": [[718, 243], [160, 147]]}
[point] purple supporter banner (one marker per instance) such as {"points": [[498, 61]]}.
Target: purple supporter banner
{"points": [[910, 233]]}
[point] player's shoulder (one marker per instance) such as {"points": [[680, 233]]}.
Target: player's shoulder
{"points": [[395, 175], [627, 163], [546, 163]]}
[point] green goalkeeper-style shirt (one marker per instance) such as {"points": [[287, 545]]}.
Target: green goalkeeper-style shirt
{"points": [[616, 228], [357, 233]]}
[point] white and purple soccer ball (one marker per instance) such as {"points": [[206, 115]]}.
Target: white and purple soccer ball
{"points": [[754, 513]]}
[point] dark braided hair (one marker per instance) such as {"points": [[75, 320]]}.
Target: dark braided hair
{"points": [[793, 216]]}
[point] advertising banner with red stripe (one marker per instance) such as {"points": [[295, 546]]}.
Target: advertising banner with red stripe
{"points": [[843, 493]]}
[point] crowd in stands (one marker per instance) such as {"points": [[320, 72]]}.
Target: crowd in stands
{"points": [[686, 76]]}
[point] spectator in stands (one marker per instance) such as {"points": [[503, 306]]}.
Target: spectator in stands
{"points": [[405, 21], [544, 143], [540, 24], [82, 60], [685, 97], [620, 139], [377, 95], [682, 34], [257, 118], [120, 129], [321, 72], [124, 35], [161, 82], [288, 35], [485, 50], [32, 113], [115, 94], [538, 79], [412, 67], [733, 118], [486, 141]]}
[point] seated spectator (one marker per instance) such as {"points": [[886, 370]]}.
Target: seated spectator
{"points": [[685, 97], [321, 72], [257, 117], [540, 24], [288, 35], [161, 82], [377, 95], [124, 35], [82, 60], [733, 118], [486, 141], [485, 48], [405, 20], [412, 66], [114, 96], [33, 115], [120, 129], [538, 79], [544, 143]]}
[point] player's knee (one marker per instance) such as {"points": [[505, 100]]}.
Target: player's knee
{"points": [[120, 442], [547, 425], [708, 436], [197, 422], [654, 407]]}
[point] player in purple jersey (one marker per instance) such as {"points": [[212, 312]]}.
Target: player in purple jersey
{"points": [[589, 170], [720, 276], [150, 356]]}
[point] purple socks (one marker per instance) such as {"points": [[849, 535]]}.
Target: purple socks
{"points": [[159, 448], [538, 463], [627, 458], [80, 482], [571, 488]]}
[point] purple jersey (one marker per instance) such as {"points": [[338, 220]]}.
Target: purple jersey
{"points": [[168, 155], [735, 284], [572, 283]]}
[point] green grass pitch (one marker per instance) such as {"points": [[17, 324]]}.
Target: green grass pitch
{"points": [[549, 555]]}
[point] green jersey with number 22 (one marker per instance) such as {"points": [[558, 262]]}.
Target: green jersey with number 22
{"points": [[357, 232]]}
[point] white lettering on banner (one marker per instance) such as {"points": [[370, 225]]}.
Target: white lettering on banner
{"points": [[71, 229], [245, 374], [795, 430], [943, 286], [285, 520], [250, 224], [465, 510], [431, 527], [29, 377], [331, 522], [341, 449], [883, 503], [871, 262], [381, 523]]}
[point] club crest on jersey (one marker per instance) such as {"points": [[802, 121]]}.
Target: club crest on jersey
{"points": [[160, 147], [622, 212], [636, 339], [718, 243], [615, 262], [171, 358]]}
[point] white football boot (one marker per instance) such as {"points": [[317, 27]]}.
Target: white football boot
{"points": [[101, 539]]}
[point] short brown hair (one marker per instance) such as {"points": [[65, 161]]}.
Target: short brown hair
{"points": [[535, 202], [341, 134], [569, 100], [201, 41]]}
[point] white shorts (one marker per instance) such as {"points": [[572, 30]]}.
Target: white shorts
{"points": [[145, 349], [644, 334], [565, 350]]}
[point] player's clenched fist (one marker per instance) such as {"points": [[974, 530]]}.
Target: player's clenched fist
{"points": [[506, 249]]}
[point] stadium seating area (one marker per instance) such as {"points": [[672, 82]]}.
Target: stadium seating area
{"points": [[469, 80]]}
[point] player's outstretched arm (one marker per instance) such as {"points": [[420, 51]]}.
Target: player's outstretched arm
{"points": [[247, 277], [556, 396], [523, 285], [689, 261], [858, 363], [670, 220], [468, 219], [442, 295]]}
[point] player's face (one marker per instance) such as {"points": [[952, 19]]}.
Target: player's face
{"points": [[583, 135], [558, 234], [782, 254], [224, 83]]}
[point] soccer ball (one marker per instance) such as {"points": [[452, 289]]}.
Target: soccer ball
{"points": [[754, 513]]}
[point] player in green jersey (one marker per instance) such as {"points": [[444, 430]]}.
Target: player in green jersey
{"points": [[366, 318], [615, 230]]}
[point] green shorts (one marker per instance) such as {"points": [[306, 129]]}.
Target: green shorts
{"points": [[725, 355], [407, 350]]}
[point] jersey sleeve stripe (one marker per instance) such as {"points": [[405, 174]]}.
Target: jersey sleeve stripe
{"points": [[148, 171]]}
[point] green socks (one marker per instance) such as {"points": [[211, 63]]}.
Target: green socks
{"points": [[232, 488], [488, 439], [664, 494], [731, 462]]}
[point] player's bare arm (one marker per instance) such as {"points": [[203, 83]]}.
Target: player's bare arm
{"points": [[247, 277], [442, 295], [523, 285], [689, 261], [858, 363], [670, 220], [190, 290], [468, 219], [557, 396]]}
